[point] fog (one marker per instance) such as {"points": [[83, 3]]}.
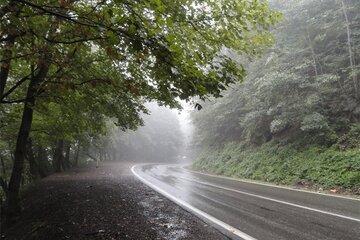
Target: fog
{"points": [[165, 137], [187, 129]]}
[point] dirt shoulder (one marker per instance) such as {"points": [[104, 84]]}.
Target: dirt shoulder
{"points": [[103, 203]]}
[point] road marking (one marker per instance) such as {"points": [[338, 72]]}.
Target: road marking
{"points": [[187, 206], [275, 200], [269, 185]]}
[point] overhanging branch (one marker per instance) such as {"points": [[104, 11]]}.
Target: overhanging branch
{"points": [[18, 84]]}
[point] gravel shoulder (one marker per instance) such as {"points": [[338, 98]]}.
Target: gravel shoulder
{"points": [[103, 203]]}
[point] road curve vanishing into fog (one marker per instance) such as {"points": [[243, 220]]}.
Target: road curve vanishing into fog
{"points": [[248, 211]]}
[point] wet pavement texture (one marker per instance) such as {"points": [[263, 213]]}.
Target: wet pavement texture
{"points": [[263, 212]]}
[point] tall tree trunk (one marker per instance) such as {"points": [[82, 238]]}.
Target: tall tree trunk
{"points": [[67, 155], [8, 46], [32, 163], [12, 196], [5, 64], [58, 160], [3, 182], [3, 171], [351, 56], [42, 160], [20, 150], [77, 153], [101, 155]]}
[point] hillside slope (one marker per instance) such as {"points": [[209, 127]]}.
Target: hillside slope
{"points": [[296, 118]]}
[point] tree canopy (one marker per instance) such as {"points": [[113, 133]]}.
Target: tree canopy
{"points": [[297, 115], [306, 86], [75, 64]]}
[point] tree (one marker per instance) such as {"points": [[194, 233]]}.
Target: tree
{"points": [[304, 88], [157, 50]]}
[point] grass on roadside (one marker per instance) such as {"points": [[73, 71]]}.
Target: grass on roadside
{"points": [[321, 166]]}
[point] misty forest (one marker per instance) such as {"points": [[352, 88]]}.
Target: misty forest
{"points": [[257, 90], [296, 117]]}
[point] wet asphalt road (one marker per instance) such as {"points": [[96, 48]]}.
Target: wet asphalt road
{"points": [[260, 211]]}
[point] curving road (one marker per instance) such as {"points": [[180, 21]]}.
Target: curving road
{"points": [[250, 211]]}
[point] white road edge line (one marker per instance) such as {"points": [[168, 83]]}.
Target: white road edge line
{"points": [[275, 200], [187, 206], [269, 185]]}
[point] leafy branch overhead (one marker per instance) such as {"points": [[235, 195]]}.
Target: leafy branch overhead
{"points": [[77, 64], [175, 48]]}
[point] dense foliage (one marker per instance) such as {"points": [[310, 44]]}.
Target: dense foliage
{"points": [[301, 98], [67, 67], [313, 166]]}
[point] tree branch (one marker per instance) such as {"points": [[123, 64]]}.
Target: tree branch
{"points": [[15, 101], [60, 15], [17, 57], [75, 41], [90, 23], [21, 81], [23, 99]]}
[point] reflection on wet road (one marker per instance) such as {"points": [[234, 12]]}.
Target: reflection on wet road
{"points": [[260, 211]]}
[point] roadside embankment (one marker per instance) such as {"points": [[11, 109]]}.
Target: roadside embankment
{"points": [[316, 168]]}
